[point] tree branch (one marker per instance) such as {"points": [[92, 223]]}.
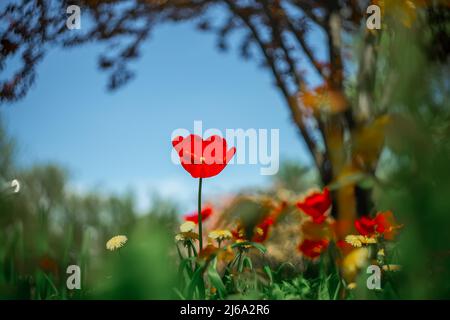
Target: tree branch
{"points": [[295, 111], [306, 49], [308, 10], [277, 35]]}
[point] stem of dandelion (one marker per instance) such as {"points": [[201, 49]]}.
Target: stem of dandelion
{"points": [[190, 246], [200, 231], [179, 253], [239, 261]]}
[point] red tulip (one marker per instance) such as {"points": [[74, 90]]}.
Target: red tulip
{"points": [[313, 248], [383, 224], [316, 205], [262, 230], [238, 233], [206, 212], [365, 226], [344, 247], [203, 158]]}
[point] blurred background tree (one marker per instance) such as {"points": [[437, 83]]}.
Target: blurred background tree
{"points": [[48, 226]]}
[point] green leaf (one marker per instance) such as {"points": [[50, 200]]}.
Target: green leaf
{"points": [[256, 245], [186, 264], [216, 280], [336, 292], [283, 266], [248, 262], [51, 284], [324, 293], [269, 273], [259, 246], [179, 294], [196, 282]]}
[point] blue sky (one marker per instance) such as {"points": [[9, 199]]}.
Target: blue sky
{"points": [[121, 140]]}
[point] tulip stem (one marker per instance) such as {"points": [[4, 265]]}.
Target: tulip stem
{"points": [[200, 231]]}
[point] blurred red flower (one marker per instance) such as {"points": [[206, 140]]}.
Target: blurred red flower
{"points": [[344, 246], [203, 158], [238, 233], [207, 211], [316, 205], [262, 230], [313, 248], [384, 223], [365, 226], [48, 264]]}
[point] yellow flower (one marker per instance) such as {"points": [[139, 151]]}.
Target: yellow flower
{"points": [[116, 242], [179, 237], [259, 231], [353, 262], [220, 235], [351, 286], [188, 226], [245, 246], [357, 240], [187, 232], [392, 267], [381, 253], [184, 236]]}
